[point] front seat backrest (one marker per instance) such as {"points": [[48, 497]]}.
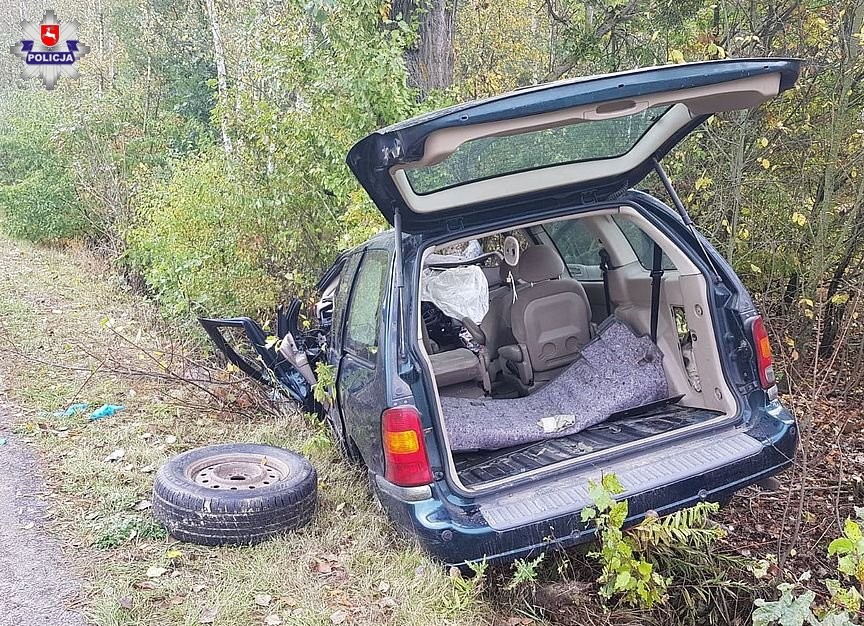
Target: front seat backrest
{"points": [[551, 316]]}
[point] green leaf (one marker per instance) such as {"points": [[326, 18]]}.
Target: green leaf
{"points": [[612, 484], [841, 545], [599, 496], [622, 581], [846, 564], [787, 611], [852, 530]]}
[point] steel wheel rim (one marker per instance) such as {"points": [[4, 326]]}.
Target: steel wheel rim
{"points": [[237, 472]]}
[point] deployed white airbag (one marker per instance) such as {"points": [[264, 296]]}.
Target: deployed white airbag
{"points": [[459, 292]]}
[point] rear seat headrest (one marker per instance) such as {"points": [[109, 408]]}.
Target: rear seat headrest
{"points": [[540, 263]]}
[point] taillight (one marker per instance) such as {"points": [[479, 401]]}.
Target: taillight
{"points": [[405, 460], [764, 360]]}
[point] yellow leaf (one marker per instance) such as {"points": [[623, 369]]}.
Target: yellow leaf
{"points": [[763, 142], [806, 302], [173, 553], [789, 342], [799, 219], [676, 56], [840, 298], [766, 164], [755, 269], [703, 182], [743, 234]]}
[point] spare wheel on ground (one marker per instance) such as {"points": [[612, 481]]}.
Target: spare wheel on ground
{"points": [[234, 493]]}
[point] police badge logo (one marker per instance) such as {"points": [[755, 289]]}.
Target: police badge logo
{"points": [[49, 49]]}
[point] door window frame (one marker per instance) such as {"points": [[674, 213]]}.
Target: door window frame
{"points": [[344, 348], [350, 270]]}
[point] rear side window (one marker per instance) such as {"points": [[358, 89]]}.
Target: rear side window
{"points": [[346, 277], [364, 312], [642, 244], [576, 244]]}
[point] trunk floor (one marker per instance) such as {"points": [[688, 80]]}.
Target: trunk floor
{"points": [[486, 465]]}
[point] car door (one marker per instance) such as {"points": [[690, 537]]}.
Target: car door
{"points": [[361, 386], [287, 359]]}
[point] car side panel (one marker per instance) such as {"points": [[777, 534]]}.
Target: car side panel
{"points": [[363, 391], [361, 379]]}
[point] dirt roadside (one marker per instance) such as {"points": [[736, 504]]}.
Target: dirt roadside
{"points": [[36, 584], [71, 332]]}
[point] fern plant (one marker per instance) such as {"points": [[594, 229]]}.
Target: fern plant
{"points": [[688, 527], [524, 572], [637, 563]]}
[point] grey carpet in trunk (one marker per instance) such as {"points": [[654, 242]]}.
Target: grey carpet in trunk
{"points": [[616, 371]]}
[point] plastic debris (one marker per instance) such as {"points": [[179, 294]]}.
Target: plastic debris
{"points": [[106, 410], [554, 423], [2, 441], [116, 455], [73, 409]]}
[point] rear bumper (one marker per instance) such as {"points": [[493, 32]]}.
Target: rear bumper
{"points": [[460, 531]]}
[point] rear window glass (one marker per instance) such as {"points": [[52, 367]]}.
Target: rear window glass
{"points": [[489, 157]]}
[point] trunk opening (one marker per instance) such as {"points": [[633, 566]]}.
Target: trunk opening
{"points": [[476, 357]]}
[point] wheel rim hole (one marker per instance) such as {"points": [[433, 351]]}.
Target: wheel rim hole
{"points": [[233, 488], [251, 486], [205, 481], [266, 482], [238, 477]]}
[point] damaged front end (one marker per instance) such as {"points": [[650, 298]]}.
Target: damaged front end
{"points": [[285, 362]]}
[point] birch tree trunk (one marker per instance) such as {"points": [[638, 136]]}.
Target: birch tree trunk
{"points": [[221, 73]]}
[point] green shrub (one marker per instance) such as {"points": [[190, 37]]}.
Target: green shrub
{"points": [[198, 243], [37, 195], [625, 572], [42, 207]]}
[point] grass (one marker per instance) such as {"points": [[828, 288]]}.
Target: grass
{"points": [[70, 332]]}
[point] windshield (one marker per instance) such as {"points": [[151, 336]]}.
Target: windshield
{"points": [[489, 157]]}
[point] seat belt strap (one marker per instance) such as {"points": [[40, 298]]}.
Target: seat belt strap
{"points": [[656, 275], [604, 268]]}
